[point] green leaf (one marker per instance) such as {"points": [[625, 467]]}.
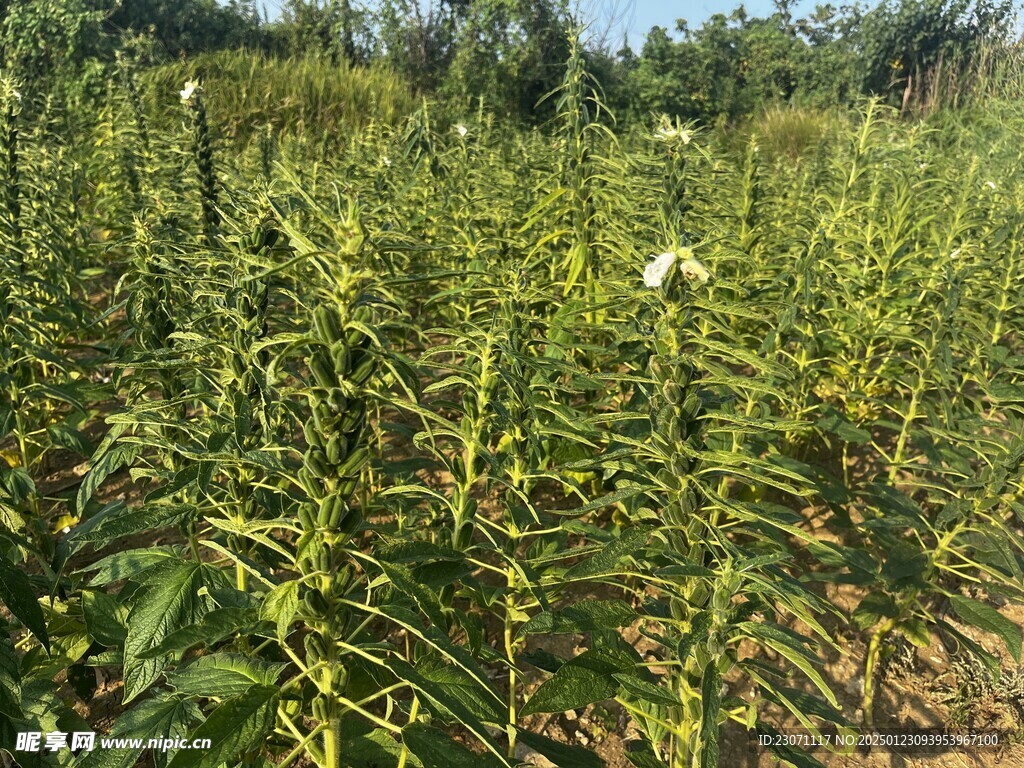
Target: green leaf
{"points": [[640, 753], [105, 466], [404, 581], [10, 679], [613, 553], [123, 521], [562, 755], [223, 675], [842, 428], [710, 706], [280, 606], [435, 749], [461, 685], [363, 746], [104, 617], [583, 680], [236, 726], [212, 628], [875, 607], [700, 630], [988, 619], [645, 691], [130, 563], [584, 616], [169, 599], [162, 717], [441, 698], [16, 594]]}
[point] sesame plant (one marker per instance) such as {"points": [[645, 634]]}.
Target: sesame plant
{"points": [[446, 442]]}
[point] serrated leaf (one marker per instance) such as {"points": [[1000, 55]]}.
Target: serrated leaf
{"points": [[645, 691], [584, 616], [710, 706], [583, 680], [125, 521], [435, 749], [236, 726], [223, 675], [988, 619], [212, 628], [104, 617], [163, 717], [102, 468], [280, 606], [16, 593], [130, 563], [170, 598], [613, 553], [10, 679]]}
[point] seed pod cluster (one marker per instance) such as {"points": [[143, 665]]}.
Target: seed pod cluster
{"points": [[676, 408], [202, 150], [340, 364]]}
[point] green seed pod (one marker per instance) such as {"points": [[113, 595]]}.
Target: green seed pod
{"points": [[342, 359], [362, 371], [339, 678], [320, 709], [322, 369], [324, 561], [680, 465], [327, 505], [676, 429], [336, 449], [672, 392], [347, 486], [337, 401], [237, 365], [336, 514], [351, 466], [259, 236], [327, 324], [341, 580], [315, 648], [353, 418], [313, 438], [355, 337], [306, 517], [316, 602], [316, 462], [691, 406]]}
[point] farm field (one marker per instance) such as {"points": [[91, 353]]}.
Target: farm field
{"points": [[436, 441]]}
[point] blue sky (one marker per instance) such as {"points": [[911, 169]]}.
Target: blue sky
{"points": [[635, 17]]}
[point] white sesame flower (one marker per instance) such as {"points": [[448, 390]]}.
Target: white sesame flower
{"points": [[955, 254], [66, 529], [990, 184], [462, 130], [386, 160], [654, 273], [665, 133], [187, 92], [16, 93], [694, 270]]}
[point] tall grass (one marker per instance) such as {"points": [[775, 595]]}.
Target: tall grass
{"points": [[294, 95]]}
